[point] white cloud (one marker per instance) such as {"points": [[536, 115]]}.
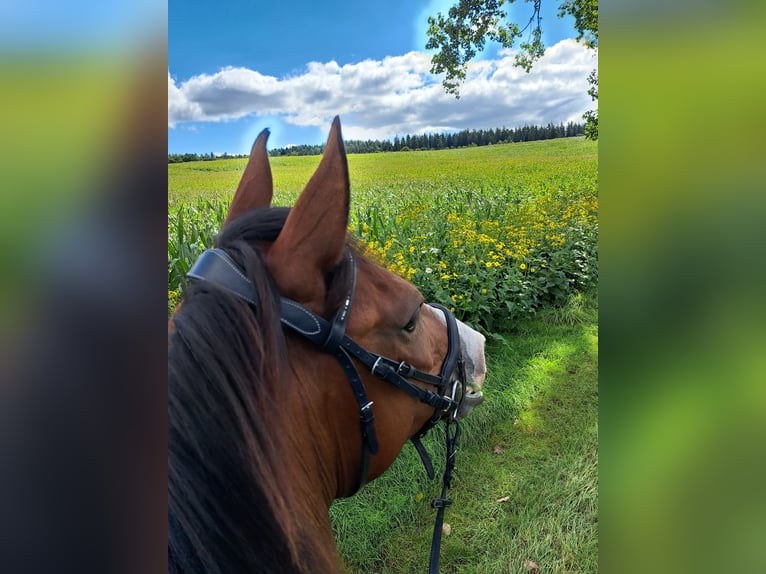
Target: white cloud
{"points": [[397, 95], [180, 107]]}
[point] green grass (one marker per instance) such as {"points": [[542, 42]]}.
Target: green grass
{"points": [[564, 164], [534, 440]]}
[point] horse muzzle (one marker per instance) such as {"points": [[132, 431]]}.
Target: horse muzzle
{"points": [[472, 399], [472, 348]]}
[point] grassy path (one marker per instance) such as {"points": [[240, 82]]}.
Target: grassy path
{"points": [[525, 489]]}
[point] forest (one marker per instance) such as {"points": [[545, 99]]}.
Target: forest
{"points": [[464, 138]]}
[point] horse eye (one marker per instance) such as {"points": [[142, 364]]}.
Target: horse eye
{"points": [[410, 327]]}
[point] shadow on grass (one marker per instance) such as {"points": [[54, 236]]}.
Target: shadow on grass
{"points": [[525, 486]]}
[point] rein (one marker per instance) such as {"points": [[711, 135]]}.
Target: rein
{"points": [[216, 266]]}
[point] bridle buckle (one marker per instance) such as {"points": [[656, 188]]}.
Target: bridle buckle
{"points": [[375, 366], [365, 413], [405, 369], [455, 387]]}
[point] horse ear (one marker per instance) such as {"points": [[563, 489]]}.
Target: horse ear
{"points": [[256, 187], [313, 238]]}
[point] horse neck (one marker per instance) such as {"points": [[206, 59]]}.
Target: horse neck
{"points": [[324, 438], [320, 456], [239, 498]]}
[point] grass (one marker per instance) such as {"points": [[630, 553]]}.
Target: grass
{"points": [[534, 441], [497, 170]]}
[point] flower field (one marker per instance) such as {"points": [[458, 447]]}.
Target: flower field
{"points": [[495, 232]]}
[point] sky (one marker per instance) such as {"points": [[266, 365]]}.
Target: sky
{"points": [[237, 67]]}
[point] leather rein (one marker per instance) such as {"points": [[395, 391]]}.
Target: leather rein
{"points": [[217, 267]]}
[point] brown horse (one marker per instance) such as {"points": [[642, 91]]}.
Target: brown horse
{"points": [[264, 426]]}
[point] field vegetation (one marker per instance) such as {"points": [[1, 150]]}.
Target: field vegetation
{"points": [[495, 232], [506, 235]]}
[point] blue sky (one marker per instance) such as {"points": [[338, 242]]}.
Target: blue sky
{"points": [[237, 67]]}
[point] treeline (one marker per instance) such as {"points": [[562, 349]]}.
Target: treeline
{"points": [[182, 157], [465, 138]]}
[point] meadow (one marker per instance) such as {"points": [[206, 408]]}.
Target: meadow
{"points": [[506, 236], [496, 232]]}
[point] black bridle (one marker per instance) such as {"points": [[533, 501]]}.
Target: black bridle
{"points": [[215, 266]]}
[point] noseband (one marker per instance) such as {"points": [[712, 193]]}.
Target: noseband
{"points": [[215, 266]]}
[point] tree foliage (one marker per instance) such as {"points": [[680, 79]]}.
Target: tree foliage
{"points": [[451, 140], [428, 141], [591, 116], [469, 24]]}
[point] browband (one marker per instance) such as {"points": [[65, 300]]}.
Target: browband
{"points": [[217, 267]]}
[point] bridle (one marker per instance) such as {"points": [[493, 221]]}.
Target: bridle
{"points": [[217, 267]]}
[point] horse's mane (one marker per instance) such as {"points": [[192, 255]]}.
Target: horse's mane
{"points": [[228, 493]]}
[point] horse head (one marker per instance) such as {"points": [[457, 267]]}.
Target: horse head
{"points": [[326, 362]]}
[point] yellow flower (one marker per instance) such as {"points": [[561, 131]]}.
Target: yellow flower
{"points": [[523, 266], [483, 291], [531, 269]]}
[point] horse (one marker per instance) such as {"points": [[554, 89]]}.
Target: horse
{"points": [[267, 399]]}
